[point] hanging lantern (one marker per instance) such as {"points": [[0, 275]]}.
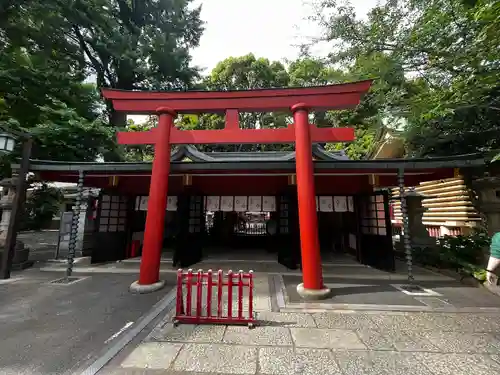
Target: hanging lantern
{"points": [[7, 143]]}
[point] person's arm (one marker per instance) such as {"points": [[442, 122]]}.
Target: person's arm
{"points": [[494, 261]]}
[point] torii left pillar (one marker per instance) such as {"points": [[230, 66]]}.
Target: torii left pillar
{"points": [[149, 276]]}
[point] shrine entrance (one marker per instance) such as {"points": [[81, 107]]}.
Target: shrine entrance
{"points": [[297, 101]]}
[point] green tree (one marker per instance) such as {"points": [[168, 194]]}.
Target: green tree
{"points": [[245, 73], [55, 107], [139, 44], [49, 48], [140, 152], [125, 44], [448, 54], [42, 204]]}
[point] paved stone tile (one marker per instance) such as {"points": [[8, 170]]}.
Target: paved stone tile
{"points": [[152, 355], [390, 322], [284, 361], [135, 371], [131, 371], [454, 322], [481, 323], [189, 333], [462, 342], [458, 364], [411, 341], [424, 321], [379, 363], [376, 340], [260, 303], [286, 319], [233, 359], [260, 335], [345, 320], [326, 338], [395, 340]]}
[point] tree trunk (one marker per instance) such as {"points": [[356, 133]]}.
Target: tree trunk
{"points": [[118, 119]]}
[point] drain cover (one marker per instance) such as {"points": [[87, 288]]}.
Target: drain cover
{"points": [[67, 280], [416, 290]]}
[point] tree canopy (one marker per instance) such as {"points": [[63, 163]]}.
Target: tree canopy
{"points": [[435, 63], [447, 56], [49, 50]]}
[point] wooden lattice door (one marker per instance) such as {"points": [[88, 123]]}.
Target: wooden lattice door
{"points": [[375, 236]]}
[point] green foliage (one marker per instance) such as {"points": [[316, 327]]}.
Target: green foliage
{"points": [[42, 204], [140, 152], [463, 254], [443, 60], [49, 48], [244, 73], [248, 72]]}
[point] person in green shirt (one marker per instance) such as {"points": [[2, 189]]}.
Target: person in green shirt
{"points": [[494, 261]]}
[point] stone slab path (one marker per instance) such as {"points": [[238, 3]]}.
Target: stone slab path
{"points": [[324, 343]]}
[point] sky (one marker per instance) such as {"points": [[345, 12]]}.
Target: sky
{"points": [[266, 28]]}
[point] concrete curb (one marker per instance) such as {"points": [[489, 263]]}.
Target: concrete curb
{"points": [[166, 303]]}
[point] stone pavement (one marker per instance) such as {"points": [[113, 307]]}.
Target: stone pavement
{"points": [[367, 327], [329, 342], [323, 343]]}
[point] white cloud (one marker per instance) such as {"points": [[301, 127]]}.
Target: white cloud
{"points": [[266, 28]]}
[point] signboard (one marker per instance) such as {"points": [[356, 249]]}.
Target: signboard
{"points": [[227, 203], [172, 203], [269, 203], [213, 203], [141, 203], [240, 203], [326, 204], [255, 203], [350, 204], [340, 204]]}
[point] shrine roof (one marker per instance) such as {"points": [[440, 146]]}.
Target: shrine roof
{"points": [[275, 162], [192, 153]]}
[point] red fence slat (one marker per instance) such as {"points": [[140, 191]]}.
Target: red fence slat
{"points": [[238, 282]]}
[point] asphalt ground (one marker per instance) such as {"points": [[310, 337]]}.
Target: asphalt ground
{"points": [[61, 329]]}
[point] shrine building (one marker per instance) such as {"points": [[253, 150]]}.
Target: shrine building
{"points": [[192, 202]]}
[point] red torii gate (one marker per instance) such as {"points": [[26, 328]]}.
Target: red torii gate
{"points": [[299, 100]]}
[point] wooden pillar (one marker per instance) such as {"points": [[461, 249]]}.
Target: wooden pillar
{"points": [[149, 277], [312, 286]]}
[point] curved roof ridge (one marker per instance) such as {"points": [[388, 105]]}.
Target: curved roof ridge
{"points": [[191, 152], [321, 153]]}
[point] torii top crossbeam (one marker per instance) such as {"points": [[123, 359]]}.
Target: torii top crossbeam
{"points": [[327, 97]]}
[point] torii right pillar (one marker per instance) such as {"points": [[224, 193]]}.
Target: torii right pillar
{"points": [[312, 287]]}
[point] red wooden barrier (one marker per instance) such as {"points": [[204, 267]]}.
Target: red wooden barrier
{"points": [[201, 312], [134, 248]]}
